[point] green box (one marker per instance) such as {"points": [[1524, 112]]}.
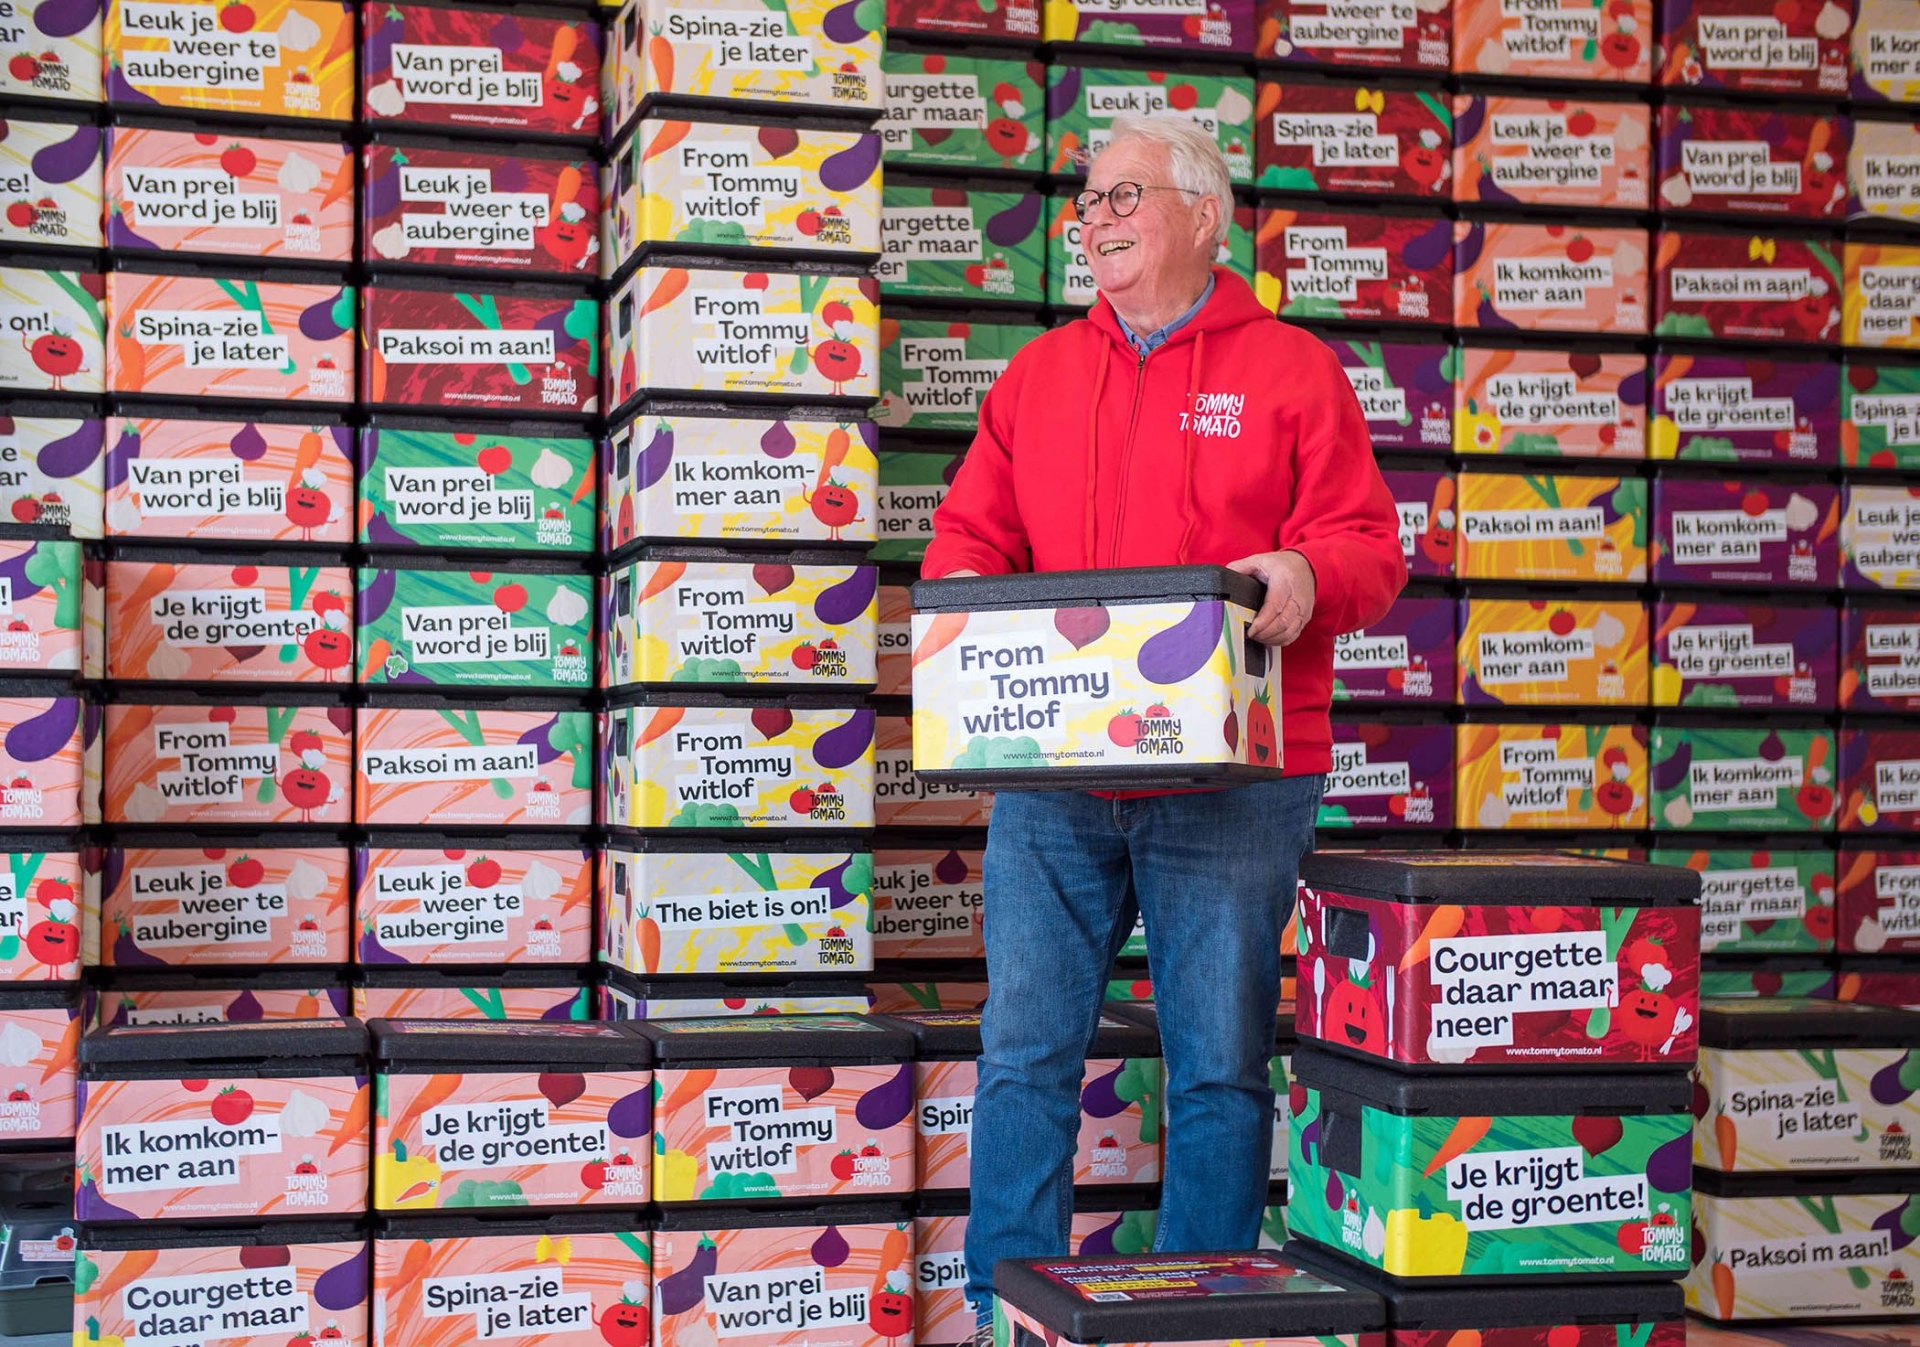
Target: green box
{"points": [[515, 628], [934, 373], [968, 112], [1747, 897], [1089, 98], [1739, 779], [456, 489], [1468, 1178], [962, 243], [1880, 415], [912, 485]]}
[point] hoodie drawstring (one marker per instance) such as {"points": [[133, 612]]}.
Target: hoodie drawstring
{"points": [[1193, 412], [1093, 447]]}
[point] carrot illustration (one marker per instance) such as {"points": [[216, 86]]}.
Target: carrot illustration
{"points": [[1728, 1135], [1681, 615], [1274, 226], [647, 931], [1268, 100], [377, 652], [413, 1263], [661, 721], [1444, 922], [664, 574], [1464, 1137], [660, 58], [689, 1087], [354, 1126], [940, 634], [66, 1051], [1723, 1290], [434, 1092], [672, 281], [1464, 1337], [420, 1188], [564, 42], [893, 1255], [129, 361], [669, 135]]}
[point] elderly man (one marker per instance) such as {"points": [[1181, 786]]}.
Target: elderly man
{"points": [[1178, 422]]}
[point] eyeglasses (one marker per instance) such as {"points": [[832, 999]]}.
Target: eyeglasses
{"points": [[1123, 198]]}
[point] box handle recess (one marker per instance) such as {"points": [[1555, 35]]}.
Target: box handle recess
{"points": [[1253, 654], [623, 455], [620, 733], [1342, 1147], [1344, 930]]}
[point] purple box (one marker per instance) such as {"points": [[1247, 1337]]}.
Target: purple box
{"points": [[1879, 780], [1389, 775], [1882, 660], [1746, 533], [1428, 537], [1738, 409], [1406, 658], [1405, 389], [1745, 656]]}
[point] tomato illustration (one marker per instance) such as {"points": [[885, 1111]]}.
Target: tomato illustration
{"points": [[842, 1166], [237, 17], [838, 360], [303, 741], [307, 507], [26, 509], [483, 873], [890, 1313], [510, 598], [54, 943], [236, 161], [306, 789], [1355, 1018], [593, 1174], [55, 354], [329, 602], [21, 214], [23, 68], [245, 873], [1124, 729], [624, 1325], [328, 649], [802, 801], [232, 1106], [1262, 743], [494, 460]]}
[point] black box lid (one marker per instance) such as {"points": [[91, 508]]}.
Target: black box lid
{"points": [[33, 1181], [802, 1040], [1439, 1309], [1495, 1095], [745, 1215], [1801, 1022], [276, 1043], [512, 1223], [560, 977], [1184, 1298], [956, 1033], [1285, 1035], [26, 996], [165, 1235], [1082, 589], [489, 1046], [1824, 1184], [1500, 877]]}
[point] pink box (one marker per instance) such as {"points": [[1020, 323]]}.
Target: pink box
{"points": [[941, 1313], [323, 1284], [190, 907], [49, 771], [42, 1028], [903, 800], [1549, 278], [41, 919], [475, 996], [159, 1141], [1555, 39], [1880, 780], [1753, 161], [469, 767], [183, 999], [248, 481], [1559, 404], [207, 763], [181, 622], [483, 906], [1551, 152], [570, 1288], [927, 905], [1879, 900], [862, 1267]]}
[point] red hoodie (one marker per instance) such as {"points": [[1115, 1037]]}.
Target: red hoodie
{"points": [[1088, 455]]}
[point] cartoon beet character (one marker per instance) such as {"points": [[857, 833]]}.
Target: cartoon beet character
{"points": [[56, 355]]}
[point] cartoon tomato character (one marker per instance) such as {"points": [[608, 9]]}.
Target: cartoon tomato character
{"points": [[1425, 162], [1614, 793], [1649, 1016], [54, 942], [624, 1325], [839, 361], [307, 508], [1263, 744], [306, 789], [328, 649], [835, 505], [1007, 138], [1620, 48], [1354, 1018], [890, 1311], [570, 236], [56, 355]]}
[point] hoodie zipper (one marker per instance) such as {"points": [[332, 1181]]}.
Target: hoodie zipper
{"points": [[1126, 457]]}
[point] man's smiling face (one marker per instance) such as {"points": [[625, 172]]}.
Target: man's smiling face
{"points": [[1162, 247]]}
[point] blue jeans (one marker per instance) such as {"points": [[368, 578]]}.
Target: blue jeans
{"points": [[1213, 874]]}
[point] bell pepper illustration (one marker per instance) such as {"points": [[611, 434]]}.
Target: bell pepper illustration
{"points": [[1421, 1245], [91, 1336], [401, 1180], [675, 1174]]}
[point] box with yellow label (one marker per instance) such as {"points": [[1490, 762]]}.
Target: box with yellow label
{"points": [[789, 334], [706, 762], [259, 58], [1557, 775], [738, 623], [1530, 526], [732, 186], [1078, 679], [1559, 652]]}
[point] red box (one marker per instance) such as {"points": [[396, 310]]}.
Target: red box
{"points": [[1356, 265]]}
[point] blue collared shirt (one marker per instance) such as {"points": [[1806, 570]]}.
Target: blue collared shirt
{"points": [[1157, 338]]}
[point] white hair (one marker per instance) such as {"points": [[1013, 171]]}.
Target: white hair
{"points": [[1193, 158]]}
